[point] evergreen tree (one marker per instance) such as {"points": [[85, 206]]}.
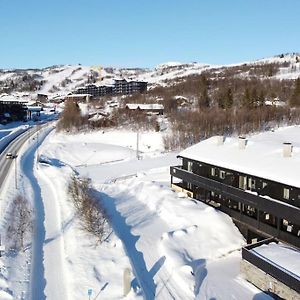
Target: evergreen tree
{"points": [[203, 99], [247, 101], [295, 99], [254, 97], [228, 99], [261, 98]]}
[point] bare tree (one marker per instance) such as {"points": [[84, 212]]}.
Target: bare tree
{"points": [[20, 222], [92, 215]]}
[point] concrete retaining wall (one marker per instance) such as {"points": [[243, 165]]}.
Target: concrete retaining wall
{"points": [[265, 282]]}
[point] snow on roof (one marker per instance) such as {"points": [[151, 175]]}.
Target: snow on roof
{"points": [[262, 156], [275, 103], [96, 117], [153, 106], [34, 108], [283, 256], [78, 95]]}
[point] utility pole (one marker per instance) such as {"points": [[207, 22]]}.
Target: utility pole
{"points": [[16, 174], [37, 145], [137, 145]]}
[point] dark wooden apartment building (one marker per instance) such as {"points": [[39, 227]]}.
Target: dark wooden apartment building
{"points": [[12, 111], [120, 87], [255, 181]]}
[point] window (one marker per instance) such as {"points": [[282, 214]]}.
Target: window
{"points": [[189, 166], [251, 183], [222, 174], [285, 222], [213, 172], [243, 182], [264, 184], [286, 193]]}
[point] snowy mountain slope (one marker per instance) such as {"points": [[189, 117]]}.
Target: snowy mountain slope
{"points": [[61, 80]]}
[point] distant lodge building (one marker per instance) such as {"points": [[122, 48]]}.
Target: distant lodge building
{"points": [[42, 98], [120, 87], [12, 110], [34, 112], [256, 182], [153, 108], [78, 97]]}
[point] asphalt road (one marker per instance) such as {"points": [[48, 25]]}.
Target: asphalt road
{"points": [[13, 147]]}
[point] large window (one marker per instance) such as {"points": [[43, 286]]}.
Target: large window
{"points": [[222, 174], [213, 171], [251, 183], [243, 182], [286, 193]]}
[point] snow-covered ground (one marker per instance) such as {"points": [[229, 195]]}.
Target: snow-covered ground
{"points": [[176, 248]]}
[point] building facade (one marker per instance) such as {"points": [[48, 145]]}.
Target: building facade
{"points": [[229, 177], [120, 87], [12, 111]]}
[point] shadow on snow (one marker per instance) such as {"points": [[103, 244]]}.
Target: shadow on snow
{"points": [[144, 278]]}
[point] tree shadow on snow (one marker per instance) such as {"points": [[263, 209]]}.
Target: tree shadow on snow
{"points": [[200, 272], [144, 278], [65, 226], [266, 296]]}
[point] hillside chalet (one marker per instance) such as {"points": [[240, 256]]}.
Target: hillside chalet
{"points": [[147, 108]]}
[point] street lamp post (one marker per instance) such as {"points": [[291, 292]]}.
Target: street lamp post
{"points": [[16, 174]]}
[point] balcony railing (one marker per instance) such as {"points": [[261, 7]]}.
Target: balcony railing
{"points": [[275, 207]]}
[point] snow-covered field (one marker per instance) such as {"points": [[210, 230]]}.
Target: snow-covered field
{"points": [[176, 248]]}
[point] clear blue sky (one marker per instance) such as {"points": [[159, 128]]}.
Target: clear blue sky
{"points": [[37, 33]]}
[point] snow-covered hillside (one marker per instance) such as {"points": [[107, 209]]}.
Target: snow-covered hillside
{"points": [[61, 80], [175, 248]]}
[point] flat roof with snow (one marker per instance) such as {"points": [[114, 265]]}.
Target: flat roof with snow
{"points": [[262, 156], [145, 106], [281, 255], [78, 95]]}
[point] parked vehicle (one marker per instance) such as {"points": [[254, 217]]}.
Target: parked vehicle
{"points": [[9, 155]]}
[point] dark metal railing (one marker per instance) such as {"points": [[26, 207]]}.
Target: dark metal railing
{"points": [[275, 207]]}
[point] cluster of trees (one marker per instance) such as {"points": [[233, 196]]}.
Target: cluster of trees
{"points": [[20, 223], [23, 83], [92, 216], [295, 98], [71, 119], [214, 102], [189, 127]]}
